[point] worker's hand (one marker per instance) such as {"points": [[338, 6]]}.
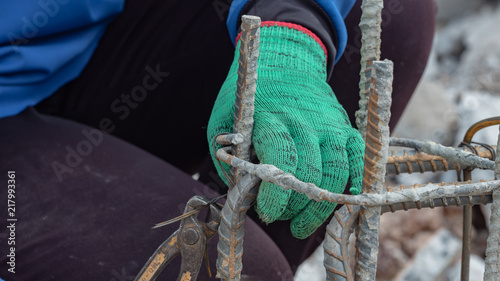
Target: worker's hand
{"points": [[299, 127]]}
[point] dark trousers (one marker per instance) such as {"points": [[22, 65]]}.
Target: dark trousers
{"points": [[86, 199]]}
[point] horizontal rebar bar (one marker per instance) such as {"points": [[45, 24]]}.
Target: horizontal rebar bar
{"points": [[412, 161], [426, 192], [448, 153], [229, 139]]}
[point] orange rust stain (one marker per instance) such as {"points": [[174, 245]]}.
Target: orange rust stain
{"points": [[153, 267], [174, 241], [186, 276]]}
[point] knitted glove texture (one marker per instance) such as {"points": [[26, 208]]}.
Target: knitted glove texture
{"points": [[299, 127]]}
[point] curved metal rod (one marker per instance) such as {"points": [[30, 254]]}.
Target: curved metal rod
{"points": [[479, 126], [336, 243], [231, 229]]}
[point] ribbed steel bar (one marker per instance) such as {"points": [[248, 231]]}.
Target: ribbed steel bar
{"points": [[231, 229], [370, 25], [336, 243], [274, 175], [246, 87], [412, 161], [449, 153], [339, 230], [242, 196], [492, 270], [376, 153]]}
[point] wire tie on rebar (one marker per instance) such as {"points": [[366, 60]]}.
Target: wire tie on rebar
{"points": [[472, 149], [488, 147]]}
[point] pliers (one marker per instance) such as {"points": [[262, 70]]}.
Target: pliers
{"points": [[189, 240]]}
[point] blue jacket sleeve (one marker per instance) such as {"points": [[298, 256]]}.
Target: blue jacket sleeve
{"points": [[45, 44], [336, 10]]}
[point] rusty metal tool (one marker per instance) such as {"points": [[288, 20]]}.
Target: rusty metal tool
{"points": [[189, 241]]}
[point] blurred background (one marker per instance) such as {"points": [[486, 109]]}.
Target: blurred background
{"points": [[460, 87]]}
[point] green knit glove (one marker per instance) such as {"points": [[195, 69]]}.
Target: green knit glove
{"points": [[299, 127]]}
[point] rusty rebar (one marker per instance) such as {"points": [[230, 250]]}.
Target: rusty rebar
{"points": [[246, 87], [335, 245], [492, 268], [429, 191], [376, 153], [229, 139], [231, 229], [338, 231], [242, 196], [371, 19], [412, 161], [448, 153], [370, 25]]}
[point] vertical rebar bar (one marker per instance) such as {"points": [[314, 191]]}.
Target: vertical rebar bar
{"points": [[242, 196], [492, 270], [466, 234], [370, 25], [246, 87], [376, 154]]}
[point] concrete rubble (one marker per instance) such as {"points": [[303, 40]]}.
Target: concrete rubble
{"points": [[431, 261]]}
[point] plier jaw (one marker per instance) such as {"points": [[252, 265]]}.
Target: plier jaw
{"points": [[190, 241]]}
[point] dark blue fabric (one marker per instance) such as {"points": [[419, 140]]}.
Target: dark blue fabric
{"points": [[45, 44], [336, 9]]}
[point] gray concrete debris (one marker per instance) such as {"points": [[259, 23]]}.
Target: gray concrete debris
{"points": [[436, 121], [451, 9], [432, 260], [312, 269]]}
